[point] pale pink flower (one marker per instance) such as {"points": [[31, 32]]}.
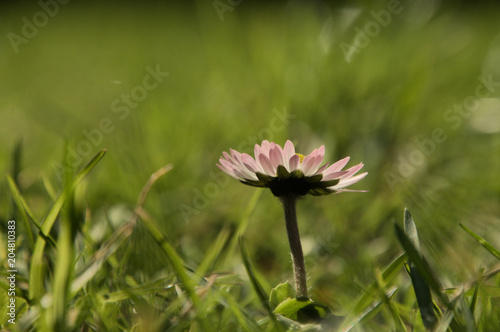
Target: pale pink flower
{"points": [[286, 172]]}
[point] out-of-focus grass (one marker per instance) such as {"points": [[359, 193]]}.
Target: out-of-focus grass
{"points": [[228, 83]]}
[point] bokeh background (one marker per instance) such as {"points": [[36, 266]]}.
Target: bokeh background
{"points": [[414, 95]]}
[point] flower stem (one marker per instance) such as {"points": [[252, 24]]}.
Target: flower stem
{"points": [[299, 269]]}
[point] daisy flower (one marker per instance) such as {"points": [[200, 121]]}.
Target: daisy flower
{"points": [[286, 172], [290, 175]]}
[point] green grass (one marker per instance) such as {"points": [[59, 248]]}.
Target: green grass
{"points": [[148, 240]]}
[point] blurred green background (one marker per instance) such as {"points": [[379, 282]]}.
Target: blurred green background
{"points": [[354, 76]]}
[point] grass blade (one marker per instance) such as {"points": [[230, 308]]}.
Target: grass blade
{"points": [[420, 264], [101, 255], [37, 262], [389, 303], [261, 294], [23, 208], [214, 252], [177, 264], [369, 301], [252, 203], [420, 286], [174, 259], [64, 259], [482, 242]]}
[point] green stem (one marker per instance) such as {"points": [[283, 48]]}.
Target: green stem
{"points": [[299, 269]]}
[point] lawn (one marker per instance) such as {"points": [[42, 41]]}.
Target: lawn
{"points": [[114, 116]]}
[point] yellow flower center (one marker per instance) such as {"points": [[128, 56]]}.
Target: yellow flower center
{"points": [[301, 156]]}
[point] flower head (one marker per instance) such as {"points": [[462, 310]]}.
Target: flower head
{"points": [[286, 172]]}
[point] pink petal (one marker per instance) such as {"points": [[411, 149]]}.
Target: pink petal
{"points": [[321, 151], [276, 156], [266, 146], [294, 163], [238, 169], [353, 170], [250, 163], [289, 150], [334, 175], [280, 149], [337, 166], [310, 163], [236, 155], [257, 150], [317, 161], [227, 172], [354, 179], [228, 157], [266, 165], [321, 169], [240, 174], [227, 169]]}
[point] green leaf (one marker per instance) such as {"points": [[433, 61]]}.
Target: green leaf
{"points": [[326, 184], [264, 178], [291, 306], [282, 172], [314, 179], [482, 241], [280, 293], [252, 183], [297, 174]]}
